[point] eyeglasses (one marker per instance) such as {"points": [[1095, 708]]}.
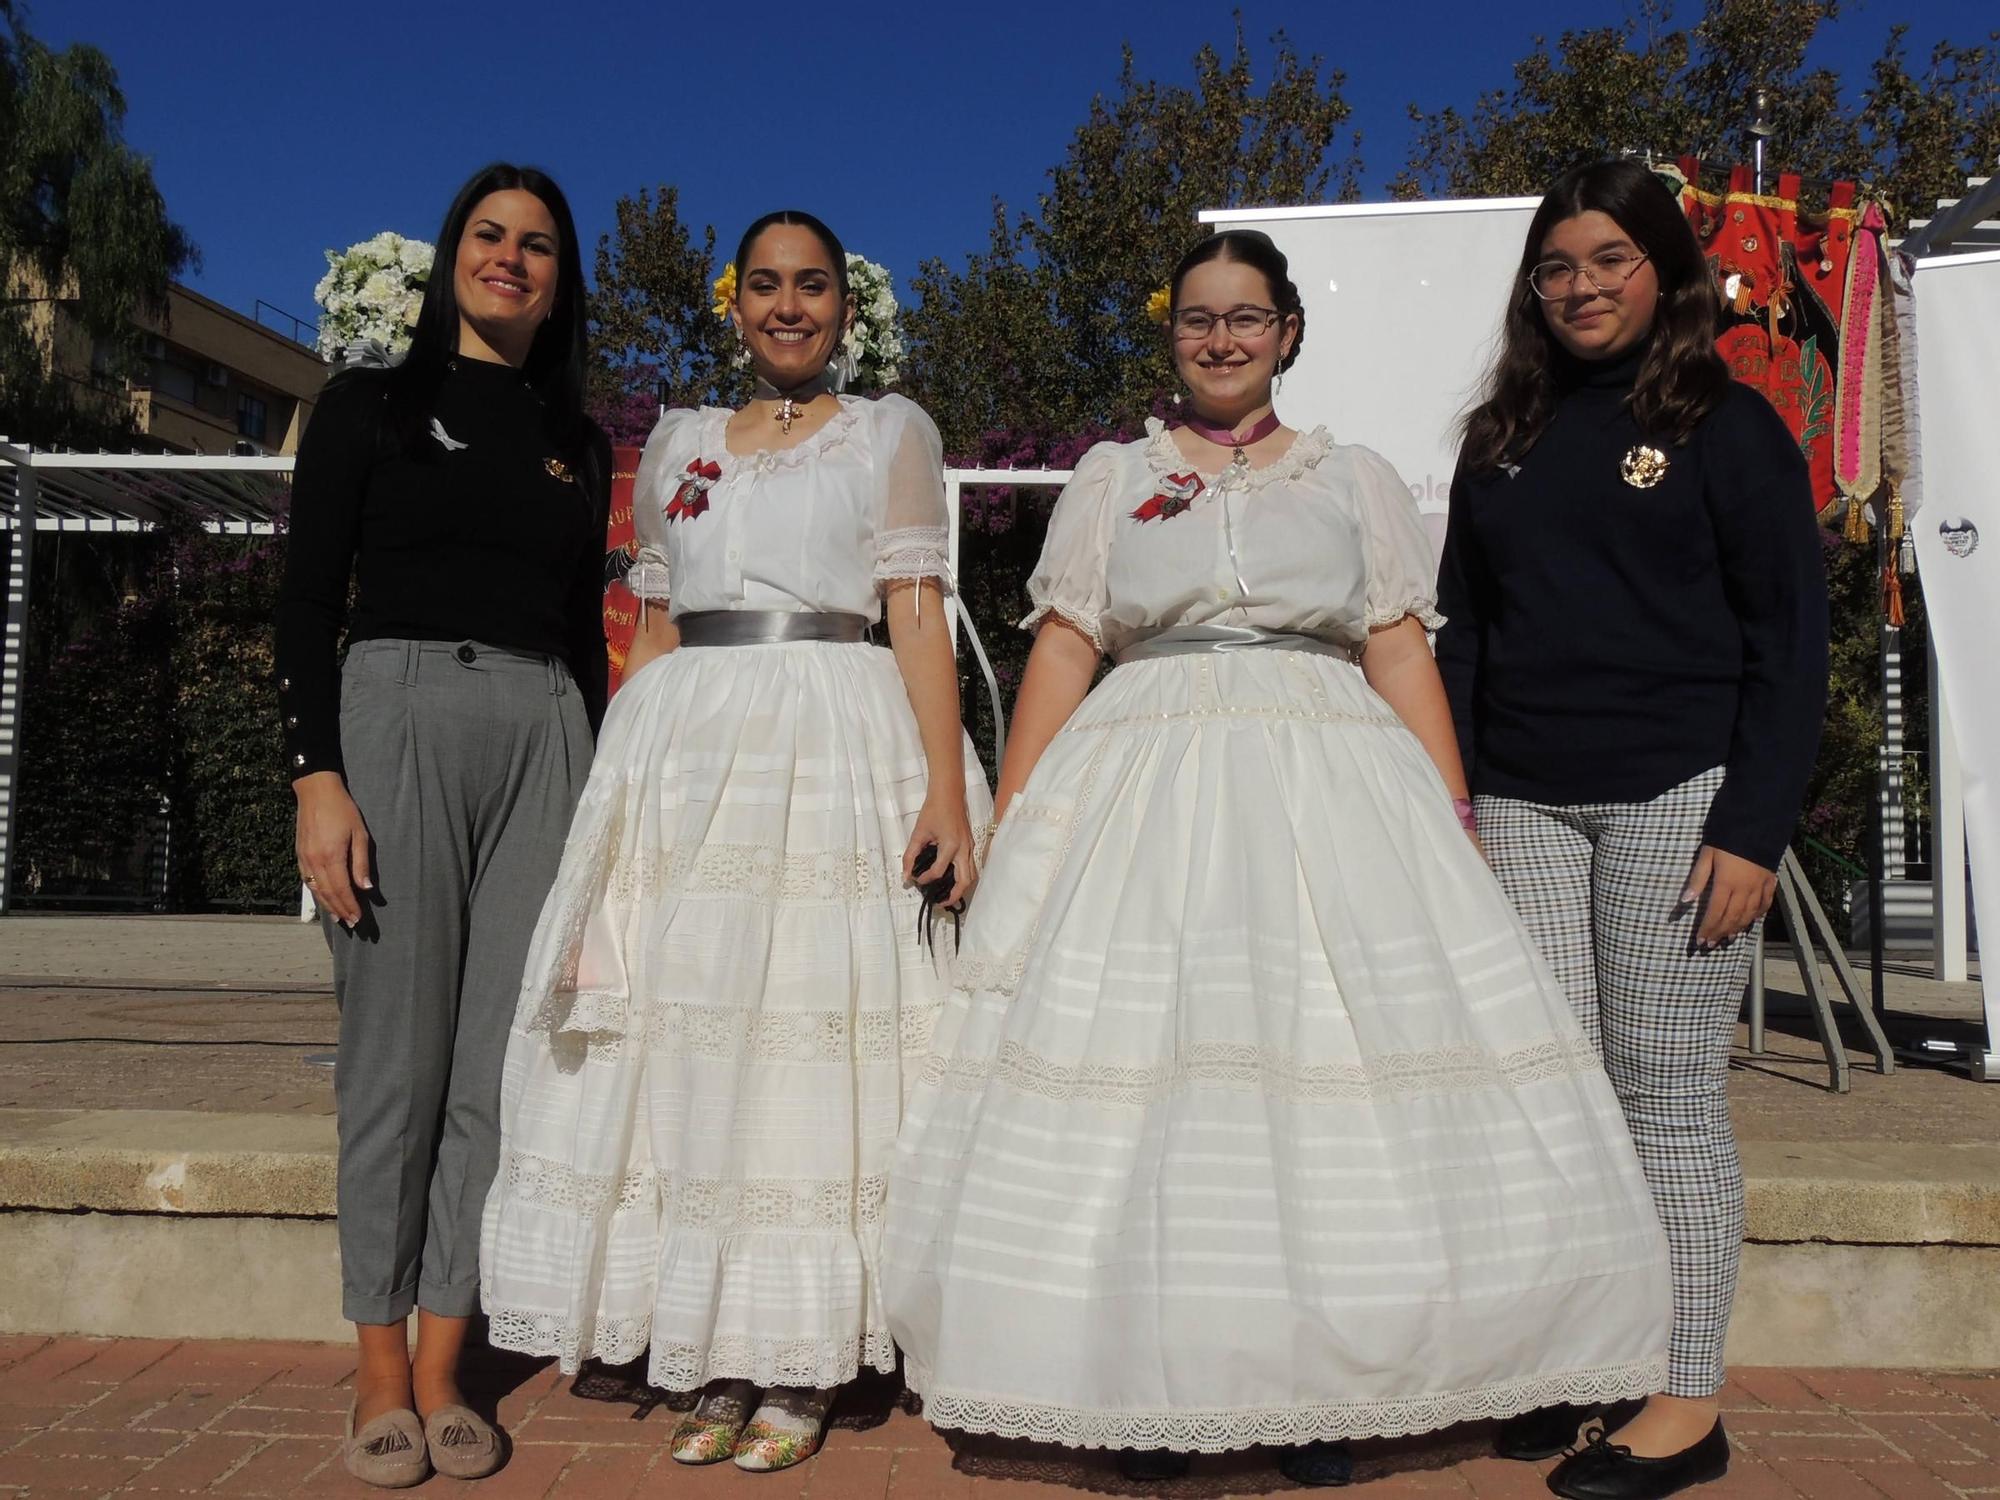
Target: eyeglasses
{"points": [[1242, 322], [1553, 280]]}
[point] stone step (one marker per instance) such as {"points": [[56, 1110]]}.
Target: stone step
{"points": [[173, 1224]]}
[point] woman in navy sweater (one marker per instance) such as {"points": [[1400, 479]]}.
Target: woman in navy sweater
{"points": [[1636, 661]]}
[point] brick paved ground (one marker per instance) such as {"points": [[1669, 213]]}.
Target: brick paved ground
{"points": [[132, 1417]]}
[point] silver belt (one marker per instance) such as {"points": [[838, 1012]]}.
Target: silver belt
{"points": [[768, 627], [1186, 640]]}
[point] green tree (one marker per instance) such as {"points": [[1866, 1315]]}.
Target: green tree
{"points": [[84, 233], [654, 339], [1930, 129], [1045, 331], [1643, 85]]}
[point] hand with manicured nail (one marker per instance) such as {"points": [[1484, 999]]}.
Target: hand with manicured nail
{"points": [[1738, 892], [333, 845]]}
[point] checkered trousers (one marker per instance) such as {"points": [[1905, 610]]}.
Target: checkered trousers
{"points": [[1598, 885]]}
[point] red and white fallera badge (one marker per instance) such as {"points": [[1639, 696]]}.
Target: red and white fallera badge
{"points": [[1175, 495], [691, 498]]}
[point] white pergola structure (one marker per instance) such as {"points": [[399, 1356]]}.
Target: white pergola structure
{"points": [[135, 492], [105, 492]]}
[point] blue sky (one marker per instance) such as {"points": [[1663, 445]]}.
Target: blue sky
{"points": [[279, 130]]}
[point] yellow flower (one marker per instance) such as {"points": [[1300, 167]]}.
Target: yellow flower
{"points": [[725, 290], [1160, 306]]}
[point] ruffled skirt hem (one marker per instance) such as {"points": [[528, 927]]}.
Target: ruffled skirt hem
{"points": [[819, 1363]]}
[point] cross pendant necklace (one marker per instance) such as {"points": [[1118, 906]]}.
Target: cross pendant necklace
{"points": [[792, 403]]}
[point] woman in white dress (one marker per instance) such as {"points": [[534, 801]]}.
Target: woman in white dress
{"points": [[1256, 1117], [725, 994]]}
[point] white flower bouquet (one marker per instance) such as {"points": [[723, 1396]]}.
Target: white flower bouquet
{"points": [[871, 352], [371, 293]]}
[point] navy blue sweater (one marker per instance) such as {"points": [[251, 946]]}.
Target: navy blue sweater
{"points": [[1606, 642]]}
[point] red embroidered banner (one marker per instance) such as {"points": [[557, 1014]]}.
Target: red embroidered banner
{"points": [[1784, 276], [621, 610]]}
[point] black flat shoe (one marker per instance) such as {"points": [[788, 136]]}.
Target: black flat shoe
{"points": [[1153, 1465], [1549, 1430], [1326, 1465], [1610, 1471]]}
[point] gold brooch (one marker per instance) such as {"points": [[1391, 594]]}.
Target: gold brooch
{"points": [[1643, 467], [560, 470]]}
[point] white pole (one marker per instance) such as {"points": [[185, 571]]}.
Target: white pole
{"points": [[1889, 787], [14, 667], [954, 494]]}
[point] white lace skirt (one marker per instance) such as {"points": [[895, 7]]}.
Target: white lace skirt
{"points": [[723, 1006], [1257, 1119]]}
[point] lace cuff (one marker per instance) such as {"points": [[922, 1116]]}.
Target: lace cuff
{"points": [[648, 576], [1381, 617], [909, 553], [1085, 622]]}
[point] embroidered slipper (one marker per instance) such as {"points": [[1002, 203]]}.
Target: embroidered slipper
{"points": [[708, 1434], [462, 1444], [388, 1453], [787, 1429], [623, 1385]]}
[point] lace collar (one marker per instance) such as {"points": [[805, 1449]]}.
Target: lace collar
{"points": [[1307, 449], [838, 429]]}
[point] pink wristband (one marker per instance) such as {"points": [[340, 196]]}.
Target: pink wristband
{"points": [[1462, 807]]}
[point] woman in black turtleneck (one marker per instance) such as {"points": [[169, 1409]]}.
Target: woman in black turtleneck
{"points": [[1636, 660], [462, 494]]}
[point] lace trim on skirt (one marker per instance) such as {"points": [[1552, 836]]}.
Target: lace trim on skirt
{"points": [[684, 1367], [1222, 1429], [1238, 1065]]}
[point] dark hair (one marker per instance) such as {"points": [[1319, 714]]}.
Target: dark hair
{"points": [[1681, 376], [557, 359], [1253, 248], [797, 218]]}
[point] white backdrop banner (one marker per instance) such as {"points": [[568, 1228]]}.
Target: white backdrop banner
{"points": [[1958, 540], [1403, 305]]}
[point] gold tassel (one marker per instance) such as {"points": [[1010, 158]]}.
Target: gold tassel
{"points": [[1856, 529], [1892, 582]]}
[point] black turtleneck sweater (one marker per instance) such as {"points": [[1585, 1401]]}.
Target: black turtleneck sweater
{"points": [[486, 531], [1606, 642]]}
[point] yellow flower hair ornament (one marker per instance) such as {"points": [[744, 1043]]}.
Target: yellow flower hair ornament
{"points": [[725, 291], [1160, 306]]}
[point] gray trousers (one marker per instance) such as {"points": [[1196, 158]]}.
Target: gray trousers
{"points": [[1598, 887], [466, 762]]}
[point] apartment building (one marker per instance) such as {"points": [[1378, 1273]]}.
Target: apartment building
{"points": [[209, 379]]}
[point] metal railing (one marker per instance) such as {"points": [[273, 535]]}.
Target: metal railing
{"points": [[279, 317]]}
